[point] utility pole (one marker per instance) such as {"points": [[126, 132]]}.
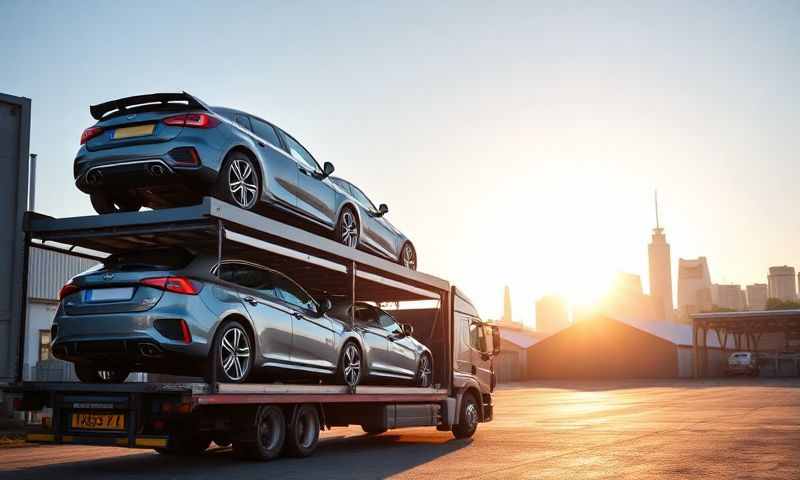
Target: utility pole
{"points": [[32, 183]]}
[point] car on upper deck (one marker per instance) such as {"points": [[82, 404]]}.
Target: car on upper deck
{"points": [[171, 149]]}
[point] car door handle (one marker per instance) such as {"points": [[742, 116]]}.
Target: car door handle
{"points": [[298, 315], [262, 143], [251, 300]]}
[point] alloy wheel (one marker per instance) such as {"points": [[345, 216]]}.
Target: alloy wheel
{"points": [[235, 354], [349, 229], [351, 363], [471, 414], [424, 377], [409, 257], [243, 183]]}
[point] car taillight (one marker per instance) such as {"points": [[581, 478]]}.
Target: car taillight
{"points": [[67, 289], [173, 284], [192, 120], [90, 133]]}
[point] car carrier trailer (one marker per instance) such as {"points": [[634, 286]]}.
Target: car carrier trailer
{"points": [[262, 421]]}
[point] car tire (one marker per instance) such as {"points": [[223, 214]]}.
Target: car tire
{"points": [[231, 342], [302, 432], [424, 377], [351, 365], [347, 228], [92, 374], [408, 256], [468, 417], [239, 181], [105, 203], [269, 436]]}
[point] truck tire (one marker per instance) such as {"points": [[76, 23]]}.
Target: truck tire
{"points": [[373, 429], [468, 417], [268, 436], [302, 431]]}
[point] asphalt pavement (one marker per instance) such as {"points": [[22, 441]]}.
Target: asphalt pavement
{"points": [[728, 428]]}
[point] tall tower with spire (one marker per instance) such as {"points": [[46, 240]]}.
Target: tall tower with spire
{"points": [[507, 305], [660, 268]]}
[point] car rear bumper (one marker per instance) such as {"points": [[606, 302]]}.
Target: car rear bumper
{"points": [[192, 164]]}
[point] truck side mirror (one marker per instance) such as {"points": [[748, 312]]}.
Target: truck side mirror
{"points": [[495, 340]]}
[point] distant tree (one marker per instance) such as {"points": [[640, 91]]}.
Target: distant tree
{"points": [[778, 304], [718, 309]]}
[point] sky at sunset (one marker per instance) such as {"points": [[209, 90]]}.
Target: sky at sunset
{"points": [[515, 143]]}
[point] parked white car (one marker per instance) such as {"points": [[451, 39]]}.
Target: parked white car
{"points": [[743, 363]]}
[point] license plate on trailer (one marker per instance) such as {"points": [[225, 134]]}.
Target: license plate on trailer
{"points": [[135, 131], [98, 421], [107, 294]]}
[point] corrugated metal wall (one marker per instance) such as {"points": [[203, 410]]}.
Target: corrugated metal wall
{"points": [[48, 271]]}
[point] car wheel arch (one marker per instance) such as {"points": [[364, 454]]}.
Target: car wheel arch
{"points": [[249, 152], [352, 337]]}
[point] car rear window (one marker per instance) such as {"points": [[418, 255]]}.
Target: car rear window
{"points": [[152, 259]]}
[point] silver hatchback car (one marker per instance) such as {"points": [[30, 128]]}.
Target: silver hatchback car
{"points": [[170, 149], [167, 310]]}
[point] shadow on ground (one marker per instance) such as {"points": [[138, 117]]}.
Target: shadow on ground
{"points": [[337, 457]]}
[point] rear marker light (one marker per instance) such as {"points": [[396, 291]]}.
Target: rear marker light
{"points": [[192, 120], [173, 284], [66, 290], [90, 133]]}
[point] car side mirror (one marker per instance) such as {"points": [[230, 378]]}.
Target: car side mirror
{"points": [[327, 169], [495, 340], [324, 306], [383, 209], [408, 330]]}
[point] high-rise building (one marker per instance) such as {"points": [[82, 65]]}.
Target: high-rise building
{"points": [[729, 296], [660, 269], [507, 305], [627, 284], [694, 285], [552, 314], [782, 283], [757, 296]]}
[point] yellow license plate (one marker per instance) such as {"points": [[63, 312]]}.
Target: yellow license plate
{"points": [[94, 421], [137, 131]]}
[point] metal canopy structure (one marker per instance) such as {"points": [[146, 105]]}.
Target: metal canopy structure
{"points": [[745, 329], [321, 265]]}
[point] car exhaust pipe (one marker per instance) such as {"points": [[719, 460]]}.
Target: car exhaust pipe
{"points": [[149, 350], [157, 170], [93, 177]]}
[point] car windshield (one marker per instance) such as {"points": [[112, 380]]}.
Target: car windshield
{"points": [[153, 259]]}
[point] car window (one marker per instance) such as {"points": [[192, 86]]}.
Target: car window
{"points": [[265, 131], [388, 323], [361, 198], [292, 293], [299, 153], [168, 258], [366, 316], [341, 184], [249, 276], [243, 122]]}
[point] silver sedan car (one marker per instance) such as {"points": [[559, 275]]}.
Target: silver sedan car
{"points": [[166, 310]]}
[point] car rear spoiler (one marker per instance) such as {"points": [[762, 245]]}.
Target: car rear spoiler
{"points": [[123, 104]]}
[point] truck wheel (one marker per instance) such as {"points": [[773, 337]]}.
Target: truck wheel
{"points": [[350, 365], [90, 374], [302, 432], [269, 433], [467, 418]]}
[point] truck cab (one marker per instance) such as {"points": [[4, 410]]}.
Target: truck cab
{"points": [[475, 344]]}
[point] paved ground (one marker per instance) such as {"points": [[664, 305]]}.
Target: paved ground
{"points": [[733, 428]]}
